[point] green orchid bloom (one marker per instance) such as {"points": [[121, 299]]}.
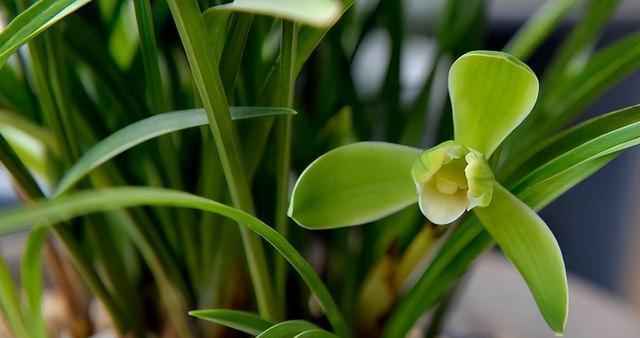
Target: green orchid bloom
{"points": [[454, 176], [491, 94]]}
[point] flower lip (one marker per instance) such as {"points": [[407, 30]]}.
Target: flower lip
{"points": [[451, 179]]}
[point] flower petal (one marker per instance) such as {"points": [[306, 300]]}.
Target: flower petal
{"points": [[529, 244], [441, 208], [491, 94], [480, 180], [354, 184], [430, 161]]}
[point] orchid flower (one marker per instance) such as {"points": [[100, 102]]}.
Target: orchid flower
{"points": [[491, 94]]}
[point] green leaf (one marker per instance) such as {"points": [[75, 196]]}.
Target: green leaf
{"points": [[316, 333], [544, 192], [218, 23], [123, 40], [354, 184], [597, 137], [288, 329], [32, 22], [529, 244], [100, 200], [147, 129], [14, 95], [606, 68], [587, 29], [206, 75], [538, 27], [31, 151], [244, 113], [31, 278], [309, 38], [491, 93], [319, 13], [10, 302], [149, 51], [240, 320], [25, 125]]}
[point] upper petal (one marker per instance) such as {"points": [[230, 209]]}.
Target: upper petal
{"points": [[491, 94]]}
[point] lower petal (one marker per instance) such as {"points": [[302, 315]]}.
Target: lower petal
{"points": [[441, 208]]}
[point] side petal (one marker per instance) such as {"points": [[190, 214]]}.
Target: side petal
{"points": [[480, 180], [354, 184], [491, 94], [527, 241]]}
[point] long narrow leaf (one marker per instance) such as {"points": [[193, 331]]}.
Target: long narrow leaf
{"points": [[320, 13], [206, 75], [594, 138], [31, 275], [316, 333], [287, 329], [606, 68], [544, 192], [147, 129], [99, 200], [32, 22], [27, 126], [587, 29], [240, 320], [10, 302], [538, 27]]}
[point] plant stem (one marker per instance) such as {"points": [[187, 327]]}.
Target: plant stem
{"points": [[193, 33], [283, 147]]}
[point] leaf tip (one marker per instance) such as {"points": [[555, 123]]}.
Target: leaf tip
{"points": [[197, 314]]}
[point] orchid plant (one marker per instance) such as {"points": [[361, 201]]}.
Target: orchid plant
{"points": [[491, 94], [153, 146]]}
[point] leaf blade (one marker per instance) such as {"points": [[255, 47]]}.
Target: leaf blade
{"points": [[591, 139], [147, 129], [316, 333], [537, 27], [31, 277], [99, 200], [288, 329], [247, 322], [319, 13], [32, 22]]}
